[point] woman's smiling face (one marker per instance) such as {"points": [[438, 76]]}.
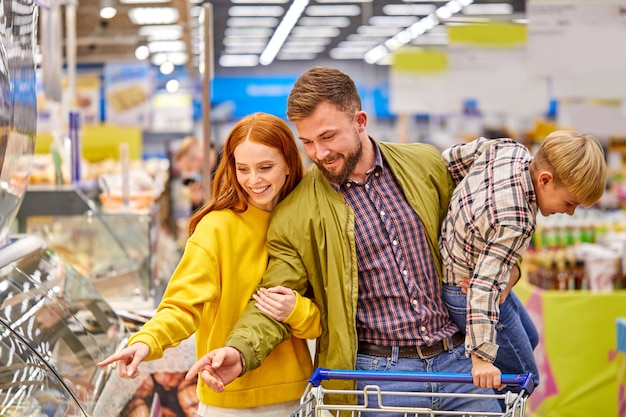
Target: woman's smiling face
{"points": [[261, 172]]}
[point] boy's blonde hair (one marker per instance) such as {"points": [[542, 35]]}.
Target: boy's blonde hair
{"points": [[577, 161]]}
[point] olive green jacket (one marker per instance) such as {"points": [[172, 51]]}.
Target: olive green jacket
{"points": [[312, 250]]}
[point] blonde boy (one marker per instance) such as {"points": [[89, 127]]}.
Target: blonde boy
{"points": [[490, 222]]}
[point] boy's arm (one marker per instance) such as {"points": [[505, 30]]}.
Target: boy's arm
{"points": [[502, 249], [460, 158]]}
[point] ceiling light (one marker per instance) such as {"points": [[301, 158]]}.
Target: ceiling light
{"points": [[161, 32], [337, 21], [298, 47], [274, 11], [142, 52], [344, 1], [243, 40], [178, 58], [417, 29], [153, 15], [488, 9], [239, 60], [107, 9], [244, 49], [378, 30], [282, 31], [249, 31], [322, 31], [166, 68], [269, 22], [409, 9], [396, 21], [341, 53], [299, 56], [339, 10], [143, 1], [172, 86], [166, 46], [309, 41], [260, 1]]}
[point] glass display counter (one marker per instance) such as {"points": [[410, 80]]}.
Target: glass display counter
{"points": [[116, 250], [55, 328]]}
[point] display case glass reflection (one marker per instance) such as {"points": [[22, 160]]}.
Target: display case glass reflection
{"points": [[55, 327], [116, 251]]}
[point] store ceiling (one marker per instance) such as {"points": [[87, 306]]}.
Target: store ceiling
{"points": [[325, 30]]}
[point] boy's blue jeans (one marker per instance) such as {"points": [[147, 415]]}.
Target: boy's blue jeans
{"points": [[517, 335]]}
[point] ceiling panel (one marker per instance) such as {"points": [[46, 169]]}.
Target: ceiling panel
{"points": [[100, 40]]}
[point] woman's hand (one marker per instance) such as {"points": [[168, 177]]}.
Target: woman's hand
{"points": [[128, 359], [276, 302]]}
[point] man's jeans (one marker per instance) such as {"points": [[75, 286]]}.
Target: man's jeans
{"points": [[453, 360], [516, 337]]}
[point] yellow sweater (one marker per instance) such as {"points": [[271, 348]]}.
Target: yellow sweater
{"points": [[220, 268]]}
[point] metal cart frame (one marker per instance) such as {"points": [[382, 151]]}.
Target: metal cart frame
{"points": [[312, 401]]}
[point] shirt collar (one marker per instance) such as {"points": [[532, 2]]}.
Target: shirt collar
{"points": [[378, 166]]}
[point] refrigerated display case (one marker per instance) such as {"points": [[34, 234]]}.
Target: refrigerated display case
{"points": [[55, 327], [116, 250]]}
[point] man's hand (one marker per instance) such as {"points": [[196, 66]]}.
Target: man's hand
{"points": [[514, 277], [276, 302], [485, 374], [218, 368]]}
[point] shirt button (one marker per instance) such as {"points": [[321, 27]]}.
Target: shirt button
{"points": [[422, 328], [405, 272], [367, 186], [414, 302], [394, 243], [382, 213], [377, 174], [426, 338]]}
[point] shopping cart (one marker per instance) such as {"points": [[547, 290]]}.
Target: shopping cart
{"points": [[312, 402]]}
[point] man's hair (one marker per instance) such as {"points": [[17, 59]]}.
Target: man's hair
{"points": [[577, 161], [320, 84]]}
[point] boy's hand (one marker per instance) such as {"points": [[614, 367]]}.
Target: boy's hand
{"points": [[485, 374]]}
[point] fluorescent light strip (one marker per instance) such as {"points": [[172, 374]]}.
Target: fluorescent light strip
{"points": [[239, 11], [422, 26], [311, 31], [282, 31], [488, 9], [260, 1], [336, 21], [153, 15], [283, 56], [338, 10], [239, 60]]}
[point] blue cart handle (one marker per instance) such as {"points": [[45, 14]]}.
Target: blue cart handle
{"points": [[322, 374]]}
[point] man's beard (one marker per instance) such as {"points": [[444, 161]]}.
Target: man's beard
{"points": [[350, 162]]}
